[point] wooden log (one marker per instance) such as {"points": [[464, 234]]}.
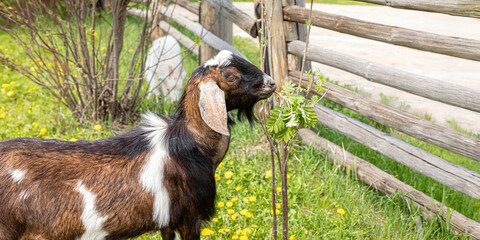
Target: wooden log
{"points": [[453, 46], [212, 20], [449, 93], [296, 31], [452, 175], [194, 27], [387, 184], [182, 39], [412, 125], [232, 13], [276, 41], [467, 8], [197, 29], [190, 6]]}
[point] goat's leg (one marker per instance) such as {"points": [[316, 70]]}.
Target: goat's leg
{"points": [[8, 233], [191, 231], [168, 234]]}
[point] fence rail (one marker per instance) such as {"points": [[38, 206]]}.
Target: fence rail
{"points": [[466, 8], [453, 46]]}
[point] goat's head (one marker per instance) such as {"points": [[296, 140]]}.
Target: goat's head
{"points": [[229, 82]]}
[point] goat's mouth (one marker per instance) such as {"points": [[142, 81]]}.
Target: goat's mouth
{"points": [[266, 93]]}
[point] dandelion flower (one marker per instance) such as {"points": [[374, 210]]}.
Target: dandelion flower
{"points": [[217, 177], [268, 174], [252, 198], [5, 85], [72, 139], [243, 212], [230, 211], [245, 200], [238, 232], [221, 230], [42, 132], [238, 188], [214, 219], [10, 93], [229, 204], [244, 238], [234, 216], [130, 50], [279, 189], [247, 231], [248, 215], [277, 205], [97, 127], [288, 177], [254, 226], [235, 237], [79, 133], [207, 232], [231, 163], [220, 204], [277, 211], [227, 230], [228, 174], [340, 211], [234, 199], [229, 181], [292, 237]]}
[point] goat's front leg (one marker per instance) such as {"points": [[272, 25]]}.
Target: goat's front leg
{"points": [[190, 231], [168, 234]]}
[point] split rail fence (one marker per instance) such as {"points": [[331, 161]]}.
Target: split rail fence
{"points": [[286, 36]]}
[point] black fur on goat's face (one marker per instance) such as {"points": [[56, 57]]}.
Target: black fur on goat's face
{"points": [[242, 82]]}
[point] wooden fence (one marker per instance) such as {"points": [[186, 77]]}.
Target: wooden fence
{"points": [[286, 36]]}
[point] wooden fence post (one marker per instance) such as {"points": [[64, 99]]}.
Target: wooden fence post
{"points": [[276, 38], [211, 20], [296, 31]]}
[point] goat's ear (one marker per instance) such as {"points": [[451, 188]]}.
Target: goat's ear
{"points": [[213, 107]]}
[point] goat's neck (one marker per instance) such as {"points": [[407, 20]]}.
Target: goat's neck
{"points": [[214, 145]]}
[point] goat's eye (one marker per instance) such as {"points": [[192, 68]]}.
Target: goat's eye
{"points": [[230, 77]]}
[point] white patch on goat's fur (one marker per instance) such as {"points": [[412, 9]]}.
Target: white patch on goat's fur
{"points": [[267, 79], [222, 59], [151, 176], [91, 220], [23, 195], [18, 175]]}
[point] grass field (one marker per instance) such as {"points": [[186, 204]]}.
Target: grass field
{"points": [[325, 203]]}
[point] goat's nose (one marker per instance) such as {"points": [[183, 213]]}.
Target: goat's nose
{"points": [[268, 81]]}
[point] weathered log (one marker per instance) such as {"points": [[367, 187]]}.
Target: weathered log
{"points": [[387, 184], [467, 8], [190, 6], [276, 41], [409, 124], [449, 93], [182, 39], [453, 46], [237, 16], [452, 175]]}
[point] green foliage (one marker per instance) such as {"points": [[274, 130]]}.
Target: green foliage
{"points": [[294, 109]]}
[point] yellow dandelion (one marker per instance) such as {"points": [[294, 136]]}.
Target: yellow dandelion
{"points": [[252, 198], [238, 232], [97, 127], [221, 230], [279, 189], [103, 48], [277, 205], [230, 211], [220, 204], [268, 174], [207, 232], [238, 188], [340, 211], [229, 182], [227, 230], [254, 226], [10, 93], [94, 34], [31, 89], [221, 164], [72, 139], [277, 211], [42, 132], [288, 177], [244, 238], [247, 231], [229, 204], [217, 177], [74, 76], [235, 237], [10, 8], [228, 174], [248, 215], [79, 133], [214, 219], [231, 163], [292, 237], [130, 50], [234, 199], [243, 212], [5, 85], [246, 200], [234, 216]]}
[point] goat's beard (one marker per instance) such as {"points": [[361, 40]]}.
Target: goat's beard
{"points": [[246, 113]]}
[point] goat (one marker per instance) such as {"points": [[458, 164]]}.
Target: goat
{"points": [[164, 70], [159, 176]]}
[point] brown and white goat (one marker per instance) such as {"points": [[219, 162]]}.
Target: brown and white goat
{"points": [[156, 177]]}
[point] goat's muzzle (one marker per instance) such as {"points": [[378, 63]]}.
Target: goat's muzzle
{"points": [[269, 87]]}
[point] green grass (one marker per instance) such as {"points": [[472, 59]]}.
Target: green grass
{"points": [[317, 189]]}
